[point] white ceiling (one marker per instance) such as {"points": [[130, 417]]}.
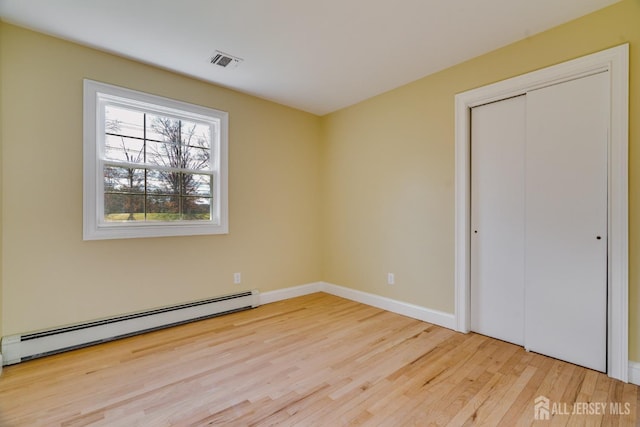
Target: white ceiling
{"points": [[317, 56]]}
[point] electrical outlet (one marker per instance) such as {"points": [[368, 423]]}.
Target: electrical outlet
{"points": [[391, 279], [237, 278]]}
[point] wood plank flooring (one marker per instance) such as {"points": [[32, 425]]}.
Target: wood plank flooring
{"points": [[317, 360]]}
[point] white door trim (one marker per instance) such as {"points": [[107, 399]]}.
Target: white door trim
{"points": [[616, 61]]}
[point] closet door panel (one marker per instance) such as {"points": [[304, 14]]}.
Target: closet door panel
{"points": [[566, 221], [497, 239]]}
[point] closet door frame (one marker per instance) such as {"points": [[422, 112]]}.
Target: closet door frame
{"points": [[615, 61]]}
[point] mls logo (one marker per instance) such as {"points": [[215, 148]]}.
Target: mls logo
{"points": [[541, 408]]}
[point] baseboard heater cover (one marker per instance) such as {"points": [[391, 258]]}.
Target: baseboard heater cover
{"points": [[20, 348]]}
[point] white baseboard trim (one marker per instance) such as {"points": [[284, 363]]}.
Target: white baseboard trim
{"points": [[439, 318], [634, 372], [292, 292], [436, 317]]}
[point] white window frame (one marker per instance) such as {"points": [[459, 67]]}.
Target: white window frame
{"points": [[96, 96]]}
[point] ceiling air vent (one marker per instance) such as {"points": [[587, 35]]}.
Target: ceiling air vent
{"points": [[225, 60]]}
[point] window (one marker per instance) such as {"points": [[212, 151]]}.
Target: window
{"points": [[152, 166]]}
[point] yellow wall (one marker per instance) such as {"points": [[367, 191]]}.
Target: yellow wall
{"points": [[388, 163], [52, 277], [345, 198]]}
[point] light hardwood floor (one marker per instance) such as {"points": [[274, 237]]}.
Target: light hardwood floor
{"points": [[314, 360]]}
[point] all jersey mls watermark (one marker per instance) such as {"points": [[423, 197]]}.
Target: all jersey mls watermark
{"points": [[544, 408]]}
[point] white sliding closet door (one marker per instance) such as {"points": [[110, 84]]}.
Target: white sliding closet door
{"points": [[566, 221], [497, 219], [539, 220]]}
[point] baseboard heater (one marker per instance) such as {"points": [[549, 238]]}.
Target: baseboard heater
{"points": [[20, 348]]}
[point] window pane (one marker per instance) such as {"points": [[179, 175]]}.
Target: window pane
{"points": [[124, 149], [123, 180], [196, 135], [166, 183], [195, 158], [164, 154], [163, 208], [196, 185], [122, 121], [161, 128], [196, 208], [123, 207], [169, 154]]}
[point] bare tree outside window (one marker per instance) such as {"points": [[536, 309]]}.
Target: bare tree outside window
{"points": [[124, 185], [186, 149], [173, 180]]}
